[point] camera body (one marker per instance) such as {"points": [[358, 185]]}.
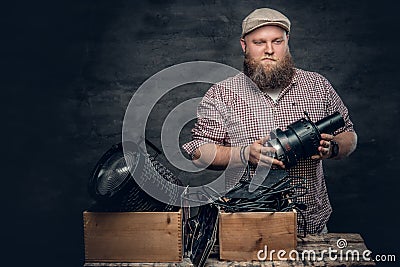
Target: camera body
{"points": [[301, 139]]}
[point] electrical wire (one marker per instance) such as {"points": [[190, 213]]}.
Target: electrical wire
{"points": [[280, 195]]}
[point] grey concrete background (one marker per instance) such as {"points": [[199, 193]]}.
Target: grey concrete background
{"points": [[69, 69]]}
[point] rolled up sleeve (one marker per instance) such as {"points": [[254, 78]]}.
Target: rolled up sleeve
{"points": [[210, 126]]}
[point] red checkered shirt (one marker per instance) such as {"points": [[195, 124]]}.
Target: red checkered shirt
{"points": [[235, 112]]}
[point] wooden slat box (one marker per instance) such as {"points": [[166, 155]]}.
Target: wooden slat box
{"points": [[243, 234], [133, 236]]}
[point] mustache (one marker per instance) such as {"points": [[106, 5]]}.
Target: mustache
{"points": [[270, 58]]}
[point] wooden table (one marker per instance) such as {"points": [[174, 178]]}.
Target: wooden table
{"points": [[328, 252]]}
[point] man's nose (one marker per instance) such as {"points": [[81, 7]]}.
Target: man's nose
{"points": [[268, 49]]}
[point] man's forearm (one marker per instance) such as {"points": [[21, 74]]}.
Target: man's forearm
{"points": [[347, 142], [217, 156]]}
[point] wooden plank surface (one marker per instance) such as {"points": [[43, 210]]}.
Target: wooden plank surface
{"points": [[315, 242], [327, 243]]}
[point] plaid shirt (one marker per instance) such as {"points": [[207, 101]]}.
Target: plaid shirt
{"points": [[235, 112]]}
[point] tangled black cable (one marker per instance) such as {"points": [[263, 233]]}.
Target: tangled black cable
{"points": [[279, 192], [281, 196]]}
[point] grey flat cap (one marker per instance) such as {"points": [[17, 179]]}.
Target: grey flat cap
{"points": [[262, 17]]}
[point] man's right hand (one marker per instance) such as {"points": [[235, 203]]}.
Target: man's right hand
{"points": [[259, 154], [212, 155]]}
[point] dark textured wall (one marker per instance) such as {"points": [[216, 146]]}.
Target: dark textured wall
{"points": [[70, 68]]}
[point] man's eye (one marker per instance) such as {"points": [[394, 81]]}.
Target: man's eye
{"points": [[278, 41], [258, 42]]}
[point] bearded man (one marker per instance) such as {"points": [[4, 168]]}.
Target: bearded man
{"points": [[236, 115]]}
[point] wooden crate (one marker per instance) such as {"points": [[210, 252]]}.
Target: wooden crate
{"points": [[133, 236], [243, 234]]}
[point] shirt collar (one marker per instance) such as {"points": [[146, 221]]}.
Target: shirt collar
{"points": [[292, 83]]}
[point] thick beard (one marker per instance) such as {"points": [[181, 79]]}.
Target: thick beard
{"points": [[270, 78]]}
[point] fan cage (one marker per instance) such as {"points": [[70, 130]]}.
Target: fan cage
{"points": [[118, 179]]}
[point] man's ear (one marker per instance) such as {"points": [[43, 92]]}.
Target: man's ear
{"points": [[243, 44]]}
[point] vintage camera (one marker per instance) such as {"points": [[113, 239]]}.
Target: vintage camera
{"points": [[301, 139]]}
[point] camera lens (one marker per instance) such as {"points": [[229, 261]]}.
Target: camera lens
{"points": [[301, 139]]}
